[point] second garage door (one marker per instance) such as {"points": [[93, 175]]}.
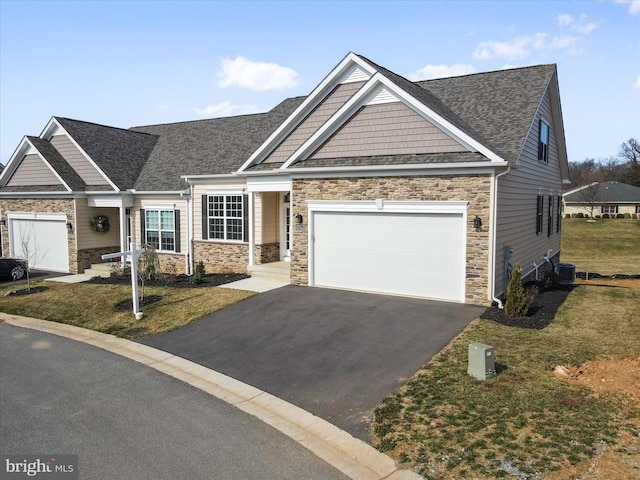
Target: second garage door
{"points": [[45, 241], [415, 254]]}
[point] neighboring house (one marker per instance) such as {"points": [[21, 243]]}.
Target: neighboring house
{"points": [[604, 198], [372, 183]]}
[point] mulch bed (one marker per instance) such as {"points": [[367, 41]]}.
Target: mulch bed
{"points": [[25, 291], [181, 281], [128, 304], [541, 311]]}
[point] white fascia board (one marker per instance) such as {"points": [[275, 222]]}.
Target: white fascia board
{"points": [[362, 96], [404, 170], [86, 156], [387, 206], [300, 113], [107, 200], [27, 148], [200, 179], [271, 183]]}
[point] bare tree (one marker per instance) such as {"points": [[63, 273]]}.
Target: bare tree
{"points": [[588, 196], [30, 249], [630, 151]]}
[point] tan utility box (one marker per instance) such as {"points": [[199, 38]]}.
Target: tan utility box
{"points": [[481, 361]]}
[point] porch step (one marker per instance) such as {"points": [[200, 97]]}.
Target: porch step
{"points": [[275, 271], [99, 270]]}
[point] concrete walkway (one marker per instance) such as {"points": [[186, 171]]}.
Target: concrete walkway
{"points": [[349, 455]]}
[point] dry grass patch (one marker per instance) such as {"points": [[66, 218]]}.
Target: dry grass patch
{"points": [[524, 423], [606, 246], [94, 306]]}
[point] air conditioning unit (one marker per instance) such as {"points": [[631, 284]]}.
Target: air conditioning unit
{"points": [[566, 273]]}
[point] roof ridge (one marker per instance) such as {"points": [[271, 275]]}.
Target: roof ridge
{"points": [[489, 72], [99, 125]]}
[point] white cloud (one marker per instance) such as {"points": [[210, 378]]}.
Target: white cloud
{"points": [[225, 109], [637, 84], [522, 47], [580, 26], [634, 5], [257, 76], [440, 71]]}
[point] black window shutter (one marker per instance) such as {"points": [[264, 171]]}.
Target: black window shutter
{"points": [[205, 218], [245, 218], [177, 231], [559, 214], [550, 219], [539, 208], [143, 233]]}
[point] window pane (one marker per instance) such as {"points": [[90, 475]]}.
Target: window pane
{"points": [[216, 228], [234, 206], [166, 219], [234, 229], [168, 242], [152, 219], [544, 133], [218, 206], [153, 238]]}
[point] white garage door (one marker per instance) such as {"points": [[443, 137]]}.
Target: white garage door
{"points": [[46, 243], [416, 254]]}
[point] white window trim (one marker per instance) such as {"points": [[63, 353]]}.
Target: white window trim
{"points": [[161, 208], [225, 193]]}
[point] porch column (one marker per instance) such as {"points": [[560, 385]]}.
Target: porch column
{"points": [[252, 239]]}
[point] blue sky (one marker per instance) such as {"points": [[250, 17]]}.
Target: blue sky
{"points": [[130, 63]]}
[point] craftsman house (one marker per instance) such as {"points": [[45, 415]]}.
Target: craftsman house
{"points": [[371, 182]]}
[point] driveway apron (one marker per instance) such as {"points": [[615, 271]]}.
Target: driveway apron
{"points": [[334, 353]]}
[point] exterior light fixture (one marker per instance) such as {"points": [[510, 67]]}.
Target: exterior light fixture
{"points": [[69, 227], [3, 222], [477, 223], [299, 219]]}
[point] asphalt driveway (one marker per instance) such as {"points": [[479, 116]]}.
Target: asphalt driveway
{"points": [[335, 353]]}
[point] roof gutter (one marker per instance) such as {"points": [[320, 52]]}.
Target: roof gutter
{"points": [[392, 168]]}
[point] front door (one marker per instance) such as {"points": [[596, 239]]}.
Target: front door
{"points": [[285, 227]]}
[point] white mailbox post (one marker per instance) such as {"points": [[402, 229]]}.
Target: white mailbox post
{"points": [[135, 255]]}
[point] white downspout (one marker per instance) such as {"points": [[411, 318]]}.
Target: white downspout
{"points": [[494, 227], [188, 256]]}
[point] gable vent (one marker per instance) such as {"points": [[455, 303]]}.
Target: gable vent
{"points": [[355, 74], [382, 95]]}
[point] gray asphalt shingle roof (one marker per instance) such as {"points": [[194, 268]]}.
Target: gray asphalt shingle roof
{"points": [[120, 153], [607, 192], [499, 105], [206, 147]]}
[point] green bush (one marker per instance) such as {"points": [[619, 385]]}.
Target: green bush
{"points": [[199, 273], [517, 303]]}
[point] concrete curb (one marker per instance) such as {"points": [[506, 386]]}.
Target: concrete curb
{"points": [[338, 448]]}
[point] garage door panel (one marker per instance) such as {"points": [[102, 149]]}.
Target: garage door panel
{"points": [[407, 254], [47, 242]]}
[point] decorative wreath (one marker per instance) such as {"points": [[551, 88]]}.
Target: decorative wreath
{"points": [[100, 224]]}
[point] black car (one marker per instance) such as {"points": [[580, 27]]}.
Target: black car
{"points": [[13, 268]]}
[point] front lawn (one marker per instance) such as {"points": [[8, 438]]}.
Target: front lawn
{"points": [[524, 423], [93, 306]]}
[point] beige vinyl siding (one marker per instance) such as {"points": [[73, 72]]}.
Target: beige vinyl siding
{"points": [[33, 171], [77, 160], [336, 99], [266, 215], [200, 190], [164, 203], [87, 238], [518, 192], [387, 129]]}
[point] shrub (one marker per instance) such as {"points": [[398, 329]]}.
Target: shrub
{"points": [[516, 304], [620, 215], [627, 215], [548, 280], [605, 215], [199, 273]]}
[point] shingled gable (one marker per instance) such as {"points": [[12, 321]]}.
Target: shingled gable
{"points": [[118, 154], [206, 147]]}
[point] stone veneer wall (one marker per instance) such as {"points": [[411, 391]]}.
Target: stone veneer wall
{"points": [[42, 205], [221, 257], [474, 189], [93, 255], [170, 259], [267, 253]]}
